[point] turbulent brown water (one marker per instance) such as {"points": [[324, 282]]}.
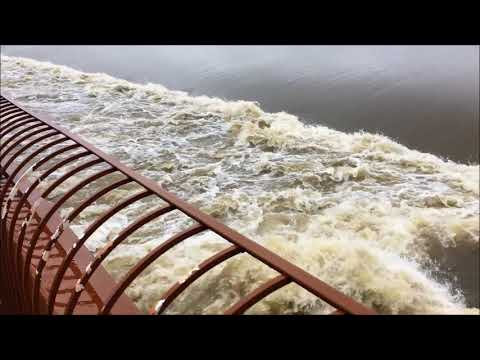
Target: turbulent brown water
{"points": [[424, 97], [394, 228]]}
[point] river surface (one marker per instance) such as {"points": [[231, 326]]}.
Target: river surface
{"points": [[425, 97], [393, 227]]}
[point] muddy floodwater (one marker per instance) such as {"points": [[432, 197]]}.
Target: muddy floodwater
{"points": [[358, 164]]}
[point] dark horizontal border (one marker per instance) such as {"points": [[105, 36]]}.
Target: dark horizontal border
{"points": [[230, 38], [437, 332], [240, 24], [244, 338]]}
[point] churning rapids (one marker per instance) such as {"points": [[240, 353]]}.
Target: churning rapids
{"points": [[394, 228]]}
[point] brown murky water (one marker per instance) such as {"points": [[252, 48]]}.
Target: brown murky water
{"points": [[395, 228], [426, 97]]}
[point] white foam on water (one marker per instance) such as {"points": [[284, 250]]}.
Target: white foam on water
{"points": [[358, 210]]}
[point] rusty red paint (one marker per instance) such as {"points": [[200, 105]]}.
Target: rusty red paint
{"points": [[72, 288]]}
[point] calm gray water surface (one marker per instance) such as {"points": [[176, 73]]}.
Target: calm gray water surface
{"points": [[425, 97]]}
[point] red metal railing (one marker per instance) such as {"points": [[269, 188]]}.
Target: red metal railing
{"points": [[46, 268]]}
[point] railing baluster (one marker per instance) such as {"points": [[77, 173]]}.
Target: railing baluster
{"points": [[54, 237], [95, 197], [258, 294], [15, 123], [8, 246], [99, 257], [73, 214], [18, 125], [12, 115], [29, 145], [2, 146], [90, 230], [13, 157], [40, 178], [22, 125], [6, 108], [21, 237], [172, 293], [36, 235], [146, 261]]}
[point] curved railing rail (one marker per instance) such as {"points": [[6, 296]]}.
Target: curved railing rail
{"points": [[46, 267]]}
